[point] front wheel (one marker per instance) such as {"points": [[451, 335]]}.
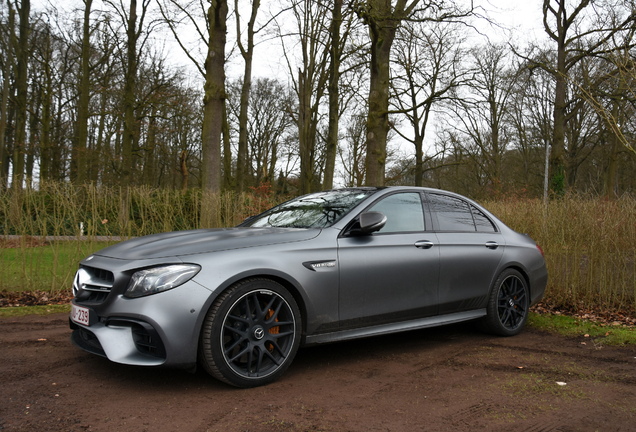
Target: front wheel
{"points": [[251, 333], [508, 305]]}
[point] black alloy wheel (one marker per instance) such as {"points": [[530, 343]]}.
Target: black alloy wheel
{"points": [[257, 337], [512, 303], [508, 305]]}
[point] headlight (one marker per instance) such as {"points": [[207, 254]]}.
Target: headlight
{"points": [[159, 279]]}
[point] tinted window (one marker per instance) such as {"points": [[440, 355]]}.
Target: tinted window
{"points": [[481, 221], [403, 212], [452, 214]]}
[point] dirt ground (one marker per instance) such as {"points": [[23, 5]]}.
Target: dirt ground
{"points": [[453, 378]]}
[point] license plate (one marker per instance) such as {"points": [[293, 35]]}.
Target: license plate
{"points": [[80, 315]]}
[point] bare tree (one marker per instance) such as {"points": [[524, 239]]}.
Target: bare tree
{"points": [[482, 109], [579, 30], [269, 123], [427, 67], [353, 152], [309, 75], [383, 20], [213, 34]]}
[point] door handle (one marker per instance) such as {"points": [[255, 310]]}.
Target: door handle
{"points": [[424, 244], [492, 245]]}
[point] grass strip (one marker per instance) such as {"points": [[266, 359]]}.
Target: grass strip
{"points": [[576, 328], [18, 311], [50, 267]]}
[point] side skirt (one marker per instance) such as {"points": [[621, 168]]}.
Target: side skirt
{"points": [[395, 327]]}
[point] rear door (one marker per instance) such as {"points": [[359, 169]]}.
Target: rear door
{"points": [[470, 251]]}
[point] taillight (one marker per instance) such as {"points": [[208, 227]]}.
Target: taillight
{"points": [[540, 250]]}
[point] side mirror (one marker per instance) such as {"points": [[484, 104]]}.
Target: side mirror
{"points": [[371, 222]]}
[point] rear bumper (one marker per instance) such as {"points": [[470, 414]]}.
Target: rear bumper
{"points": [[538, 284]]}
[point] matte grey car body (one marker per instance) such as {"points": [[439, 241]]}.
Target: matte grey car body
{"points": [[322, 284]]}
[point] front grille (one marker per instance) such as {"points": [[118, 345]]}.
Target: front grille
{"points": [[92, 285]]}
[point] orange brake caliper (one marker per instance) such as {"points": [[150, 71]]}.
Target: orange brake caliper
{"points": [[273, 330]]}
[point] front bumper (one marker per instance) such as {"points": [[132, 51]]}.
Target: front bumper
{"points": [[160, 329]]}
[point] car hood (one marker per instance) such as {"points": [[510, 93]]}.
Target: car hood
{"points": [[204, 240]]}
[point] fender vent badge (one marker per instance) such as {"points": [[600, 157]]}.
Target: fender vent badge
{"points": [[316, 265]]}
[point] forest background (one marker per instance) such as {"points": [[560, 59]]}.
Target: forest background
{"points": [[366, 93], [106, 128]]}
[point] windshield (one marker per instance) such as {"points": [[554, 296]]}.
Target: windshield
{"points": [[318, 210]]}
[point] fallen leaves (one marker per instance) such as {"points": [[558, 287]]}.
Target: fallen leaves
{"points": [[33, 298], [25, 241], [603, 317]]}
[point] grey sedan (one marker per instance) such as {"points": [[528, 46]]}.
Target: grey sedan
{"points": [[324, 267]]}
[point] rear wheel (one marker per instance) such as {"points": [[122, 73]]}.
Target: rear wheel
{"points": [[508, 304], [251, 333]]}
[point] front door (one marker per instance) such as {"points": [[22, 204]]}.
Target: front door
{"points": [[390, 275]]}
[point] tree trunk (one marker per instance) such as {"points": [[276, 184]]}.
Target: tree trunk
{"points": [[6, 72], [9, 134], [214, 97], [247, 54], [213, 104], [78, 163], [612, 163], [382, 32], [19, 146], [34, 117], [557, 155], [47, 102], [95, 157], [56, 168], [227, 152], [128, 137], [334, 114], [184, 171], [304, 133], [151, 143]]}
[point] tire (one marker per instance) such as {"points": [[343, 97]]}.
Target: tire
{"points": [[251, 333], [508, 304]]}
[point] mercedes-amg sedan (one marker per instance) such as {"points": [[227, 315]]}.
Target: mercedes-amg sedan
{"points": [[324, 267]]}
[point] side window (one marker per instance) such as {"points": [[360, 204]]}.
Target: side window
{"points": [[403, 213], [481, 221], [453, 214]]}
